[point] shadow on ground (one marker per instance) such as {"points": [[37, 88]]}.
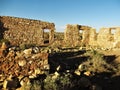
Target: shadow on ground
{"points": [[71, 60]]}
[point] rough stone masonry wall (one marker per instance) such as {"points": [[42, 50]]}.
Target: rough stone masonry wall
{"points": [[72, 35], [107, 39], [93, 37], [104, 39], [25, 31]]}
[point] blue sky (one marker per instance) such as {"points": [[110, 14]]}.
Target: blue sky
{"points": [[94, 13]]}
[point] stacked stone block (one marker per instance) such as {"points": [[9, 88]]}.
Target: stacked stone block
{"points": [[25, 31]]}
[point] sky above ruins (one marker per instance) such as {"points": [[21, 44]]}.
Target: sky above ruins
{"points": [[94, 13]]}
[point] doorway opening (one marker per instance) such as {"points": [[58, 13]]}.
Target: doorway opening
{"points": [[112, 32], [46, 36], [80, 34]]}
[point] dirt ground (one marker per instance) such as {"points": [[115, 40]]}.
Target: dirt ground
{"points": [[114, 52], [108, 81]]}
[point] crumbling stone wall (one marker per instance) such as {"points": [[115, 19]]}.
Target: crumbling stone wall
{"points": [[107, 39], [71, 35], [74, 37], [25, 31], [104, 39], [93, 37]]}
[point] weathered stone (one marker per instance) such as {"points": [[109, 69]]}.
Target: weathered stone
{"points": [[73, 36], [107, 39], [77, 72], [25, 31], [28, 51], [22, 62]]}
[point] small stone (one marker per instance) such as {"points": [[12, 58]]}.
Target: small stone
{"points": [[37, 71], [19, 54], [4, 46], [11, 53], [55, 75], [88, 73], [24, 81], [28, 51], [46, 67], [77, 72], [22, 62], [58, 68]]}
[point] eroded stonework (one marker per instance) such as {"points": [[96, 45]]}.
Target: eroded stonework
{"points": [[109, 37], [106, 38], [25, 31], [76, 34]]}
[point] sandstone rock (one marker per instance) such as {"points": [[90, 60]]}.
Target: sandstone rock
{"points": [[11, 53], [19, 54], [4, 46], [58, 68], [22, 62], [37, 71], [28, 51], [2, 53], [46, 67], [77, 72], [55, 75], [24, 81], [87, 73]]}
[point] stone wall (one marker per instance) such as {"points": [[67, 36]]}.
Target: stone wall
{"points": [[76, 34], [71, 35], [108, 39], [93, 37], [25, 31]]}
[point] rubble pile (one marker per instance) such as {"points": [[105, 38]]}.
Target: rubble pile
{"points": [[17, 64]]}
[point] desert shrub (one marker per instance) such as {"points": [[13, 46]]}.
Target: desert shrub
{"points": [[117, 73], [96, 63], [62, 82], [22, 46], [36, 85], [26, 46]]}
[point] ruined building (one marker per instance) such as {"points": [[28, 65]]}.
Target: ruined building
{"points": [[78, 35], [25, 31], [109, 37]]}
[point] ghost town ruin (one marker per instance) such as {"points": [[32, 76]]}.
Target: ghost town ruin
{"points": [[26, 63], [105, 38], [28, 31]]}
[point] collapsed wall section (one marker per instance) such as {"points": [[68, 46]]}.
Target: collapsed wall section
{"points": [[76, 35], [25, 31], [71, 35], [109, 39]]}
